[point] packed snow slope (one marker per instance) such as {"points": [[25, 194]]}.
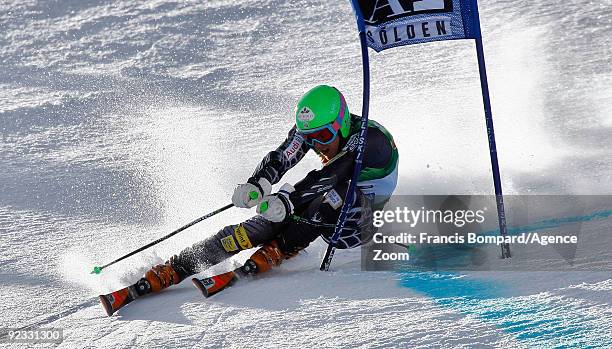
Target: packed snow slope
{"points": [[121, 121]]}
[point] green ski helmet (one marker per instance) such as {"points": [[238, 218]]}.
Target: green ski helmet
{"points": [[321, 106]]}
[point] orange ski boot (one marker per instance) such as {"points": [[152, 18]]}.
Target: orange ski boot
{"points": [[264, 259], [161, 276], [155, 280], [268, 256]]}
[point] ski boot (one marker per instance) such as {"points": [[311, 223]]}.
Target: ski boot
{"points": [[156, 279], [268, 256]]}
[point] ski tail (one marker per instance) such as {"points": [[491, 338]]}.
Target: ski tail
{"points": [[116, 300], [214, 284], [266, 257]]}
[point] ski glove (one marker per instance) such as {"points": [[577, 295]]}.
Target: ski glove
{"points": [[251, 193], [277, 207]]}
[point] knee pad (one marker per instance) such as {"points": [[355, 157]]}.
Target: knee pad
{"points": [[234, 238], [227, 242]]}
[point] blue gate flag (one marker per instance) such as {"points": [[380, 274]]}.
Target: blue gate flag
{"points": [[392, 23], [385, 24]]}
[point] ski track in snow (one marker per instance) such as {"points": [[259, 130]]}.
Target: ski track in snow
{"points": [[120, 122]]}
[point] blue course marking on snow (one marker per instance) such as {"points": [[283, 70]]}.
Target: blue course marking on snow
{"points": [[541, 320], [552, 223]]}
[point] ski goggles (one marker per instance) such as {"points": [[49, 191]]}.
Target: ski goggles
{"points": [[322, 135], [326, 133]]}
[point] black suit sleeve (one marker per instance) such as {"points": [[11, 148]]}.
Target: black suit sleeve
{"points": [[279, 161], [335, 175]]}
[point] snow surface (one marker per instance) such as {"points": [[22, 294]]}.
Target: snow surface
{"points": [[123, 120]]}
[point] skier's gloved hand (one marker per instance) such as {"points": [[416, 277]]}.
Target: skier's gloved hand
{"points": [[277, 207], [251, 193]]}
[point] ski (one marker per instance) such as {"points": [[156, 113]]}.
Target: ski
{"points": [[116, 300], [208, 286], [217, 283]]}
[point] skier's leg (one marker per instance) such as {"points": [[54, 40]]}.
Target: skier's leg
{"points": [[227, 242], [320, 217], [358, 226]]}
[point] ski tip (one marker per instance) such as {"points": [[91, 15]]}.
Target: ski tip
{"points": [[108, 308], [197, 283]]}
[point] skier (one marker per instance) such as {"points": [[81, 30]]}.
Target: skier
{"points": [[292, 218]]}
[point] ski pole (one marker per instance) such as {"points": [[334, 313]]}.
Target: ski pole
{"points": [[98, 270]]}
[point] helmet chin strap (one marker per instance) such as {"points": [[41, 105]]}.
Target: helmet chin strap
{"points": [[323, 158], [336, 157]]}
